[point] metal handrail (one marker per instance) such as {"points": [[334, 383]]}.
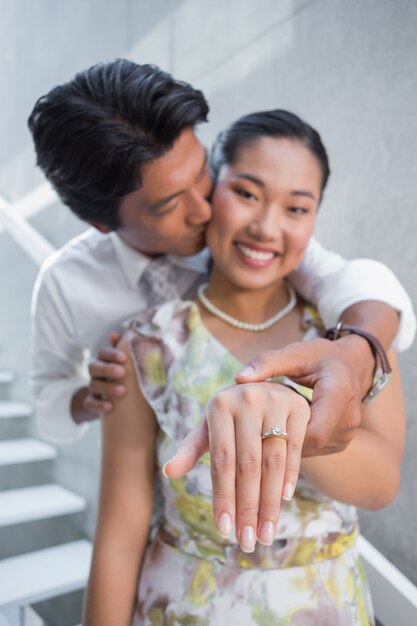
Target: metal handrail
{"points": [[394, 596], [36, 200], [27, 237]]}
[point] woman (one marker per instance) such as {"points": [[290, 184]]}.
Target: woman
{"points": [[271, 169]]}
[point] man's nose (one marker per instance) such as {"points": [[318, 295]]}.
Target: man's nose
{"points": [[199, 208]]}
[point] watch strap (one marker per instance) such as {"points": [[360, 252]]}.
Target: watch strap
{"points": [[382, 377]]}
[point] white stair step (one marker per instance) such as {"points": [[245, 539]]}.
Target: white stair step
{"points": [[6, 377], [15, 451], [33, 503], [45, 574], [4, 621], [15, 409], [29, 617]]}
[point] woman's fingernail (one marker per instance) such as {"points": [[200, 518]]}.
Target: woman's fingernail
{"points": [[164, 470], [247, 539], [288, 492], [224, 525], [267, 533], [247, 371]]}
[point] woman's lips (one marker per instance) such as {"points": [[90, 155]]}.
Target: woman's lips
{"points": [[257, 257]]}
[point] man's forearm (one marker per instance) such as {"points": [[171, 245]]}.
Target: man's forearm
{"points": [[78, 411], [381, 321], [376, 317]]}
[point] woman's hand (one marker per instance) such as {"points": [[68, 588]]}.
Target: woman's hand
{"points": [[249, 475]]}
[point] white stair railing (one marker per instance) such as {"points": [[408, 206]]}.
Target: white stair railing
{"points": [[35, 201], [27, 237], [394, 596]]}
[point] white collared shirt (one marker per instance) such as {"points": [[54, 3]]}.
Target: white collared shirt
{"points": [[88, 288]]}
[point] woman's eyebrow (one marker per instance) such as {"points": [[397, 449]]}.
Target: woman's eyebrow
{"points": [[251, 178], [260, 183], [306, 194]]}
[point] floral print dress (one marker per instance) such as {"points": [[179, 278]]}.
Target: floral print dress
{"points": [[190, 576]]}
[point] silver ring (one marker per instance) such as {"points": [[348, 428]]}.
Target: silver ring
{"points": [[275, 431]]}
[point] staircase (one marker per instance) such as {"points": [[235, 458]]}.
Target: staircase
{"points": [[30, 574]]}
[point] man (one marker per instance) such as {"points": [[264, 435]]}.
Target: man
{"points": [[118, 145]]}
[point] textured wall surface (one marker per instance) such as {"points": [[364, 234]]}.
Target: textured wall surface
{"points": [[347, 67]]}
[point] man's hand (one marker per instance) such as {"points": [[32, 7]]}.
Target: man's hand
{"points": [[248, 475], [106, 372], [340, 373]]}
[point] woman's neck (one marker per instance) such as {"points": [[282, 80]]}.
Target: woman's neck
{"points": [[246, 305]]}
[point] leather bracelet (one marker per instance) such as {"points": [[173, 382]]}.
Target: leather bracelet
{"points": [[383, 373]]}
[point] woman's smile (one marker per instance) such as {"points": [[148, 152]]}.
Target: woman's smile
{"points": [[255, 255]]}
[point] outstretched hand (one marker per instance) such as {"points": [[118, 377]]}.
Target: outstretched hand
{"points": [[249, 476]]}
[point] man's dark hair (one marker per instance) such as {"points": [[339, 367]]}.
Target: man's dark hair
{"points": [[94, 134], [277, 124]]}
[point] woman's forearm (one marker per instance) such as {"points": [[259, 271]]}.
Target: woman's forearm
{"points": [[365, 474], [119, 546], [126, 497], [112, 587]]}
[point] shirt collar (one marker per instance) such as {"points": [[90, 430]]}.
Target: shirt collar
{"points": [[132, 262], [198, 262]]}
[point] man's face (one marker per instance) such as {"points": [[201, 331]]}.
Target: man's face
{"points": [[169, 213]]}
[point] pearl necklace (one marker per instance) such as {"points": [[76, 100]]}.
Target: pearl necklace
{"points": [[256, 328]]}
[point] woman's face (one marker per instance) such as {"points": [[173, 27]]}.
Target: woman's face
{"points": [[264, 209]]}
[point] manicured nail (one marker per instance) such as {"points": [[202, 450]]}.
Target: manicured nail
{"points": [[247, 539], [163, 469], [288, 492], [267, 534], [247, 371], [224, 525]]}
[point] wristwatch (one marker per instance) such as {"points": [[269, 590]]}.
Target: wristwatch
{"points": [[382, 372]]}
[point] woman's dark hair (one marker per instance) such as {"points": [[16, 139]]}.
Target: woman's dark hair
{"points": [[93, 134], [277, 124]]}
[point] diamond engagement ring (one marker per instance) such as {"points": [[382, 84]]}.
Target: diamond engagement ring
{"points": [[275, 431]]}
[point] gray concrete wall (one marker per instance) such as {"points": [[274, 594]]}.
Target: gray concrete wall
{"points": [[347, 67]]}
